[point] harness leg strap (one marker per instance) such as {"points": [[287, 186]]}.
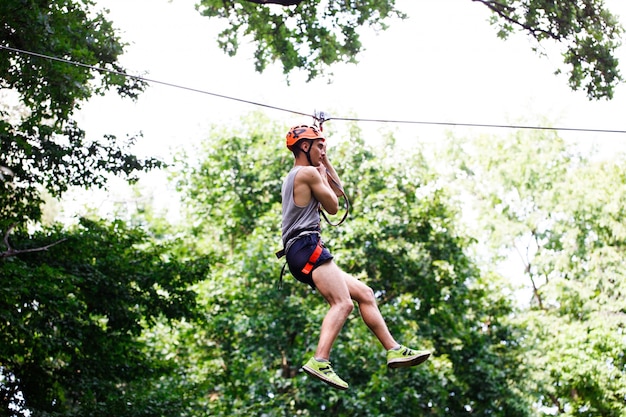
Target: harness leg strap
{"points": [[313, 258]]}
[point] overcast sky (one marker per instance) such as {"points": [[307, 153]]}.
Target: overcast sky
{"points": [[443, 64]]}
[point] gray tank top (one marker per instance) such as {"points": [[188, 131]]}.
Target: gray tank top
{"points": [[297, 219]]}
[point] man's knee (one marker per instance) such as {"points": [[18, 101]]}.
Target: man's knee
{"points": [[346, 306], [366, 295]]}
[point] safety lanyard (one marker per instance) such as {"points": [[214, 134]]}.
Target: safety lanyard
{"points": [[346, 204]]}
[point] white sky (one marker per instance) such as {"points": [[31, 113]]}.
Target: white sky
{"points": [[443, 64]]}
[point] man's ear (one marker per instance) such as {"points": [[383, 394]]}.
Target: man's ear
{"points": [[304, 146]]}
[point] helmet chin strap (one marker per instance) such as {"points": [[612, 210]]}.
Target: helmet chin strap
{"points": [[308, 154], [308, 157]]}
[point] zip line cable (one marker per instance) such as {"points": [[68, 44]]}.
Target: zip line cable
{"points": [[227, 97], [572, 129], [149, 80]]}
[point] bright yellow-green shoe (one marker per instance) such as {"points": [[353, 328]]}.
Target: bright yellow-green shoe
{"points": [[324, 371], [405, 357]]}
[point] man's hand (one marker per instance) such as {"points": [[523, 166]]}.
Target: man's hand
{"points": [[321, 168], [324, 159], [328, 171]]}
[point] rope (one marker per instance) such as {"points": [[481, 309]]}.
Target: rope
{"points": [[346, 203]]}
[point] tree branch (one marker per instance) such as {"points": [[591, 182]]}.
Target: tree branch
{"points": [[502, 9], [14, 252], [527, 270]]}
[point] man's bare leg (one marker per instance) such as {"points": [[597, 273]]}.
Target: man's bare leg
{"points": [[370, 313], [330, 283], [397, 356], [339, 289]]}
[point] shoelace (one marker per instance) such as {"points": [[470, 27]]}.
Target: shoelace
{"points": [[328, 370], [408, 352]]}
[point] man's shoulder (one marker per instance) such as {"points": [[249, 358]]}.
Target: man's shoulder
{"points": [[307, 169], [307, 174]]}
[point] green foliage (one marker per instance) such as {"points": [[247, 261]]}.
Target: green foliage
{"points": [[400, 238], [562, 213], [588, 33], [237, 181], [57, 159], [71, 317], [42, 146], [66, 29], [311, 36]]}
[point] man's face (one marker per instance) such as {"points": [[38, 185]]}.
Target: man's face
{"points": [[318, 151]]}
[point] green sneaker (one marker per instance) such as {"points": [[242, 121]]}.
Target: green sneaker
{"points": [[405, 357], [324, 371]]}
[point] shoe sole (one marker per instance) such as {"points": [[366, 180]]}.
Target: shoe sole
{"points": [[323, 378], [405, 363]]}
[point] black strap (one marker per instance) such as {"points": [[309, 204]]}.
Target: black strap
{"points": [[280, 280], [346, 203]]}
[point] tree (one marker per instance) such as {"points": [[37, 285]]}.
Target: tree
{"points": [[72, 319], [588, 32], [76, 304], [561, 213], [400, 237], [304, 36], [41, 146], [312, 35]]}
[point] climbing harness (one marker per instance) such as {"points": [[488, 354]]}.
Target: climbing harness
{"points": [[313, 258], [308, 267]]}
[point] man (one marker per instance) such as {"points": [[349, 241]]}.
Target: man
{"points": [[311, 185]]}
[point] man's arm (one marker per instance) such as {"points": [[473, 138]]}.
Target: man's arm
{"points": [[335, 182], [320, 188]]}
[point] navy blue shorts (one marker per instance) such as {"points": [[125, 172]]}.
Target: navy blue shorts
{"points": [[299, 254]]}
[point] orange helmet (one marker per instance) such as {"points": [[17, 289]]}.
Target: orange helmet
{"points": [[298, 133]]}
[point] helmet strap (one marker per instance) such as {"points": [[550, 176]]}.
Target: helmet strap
{"points": [[308, 153]]}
